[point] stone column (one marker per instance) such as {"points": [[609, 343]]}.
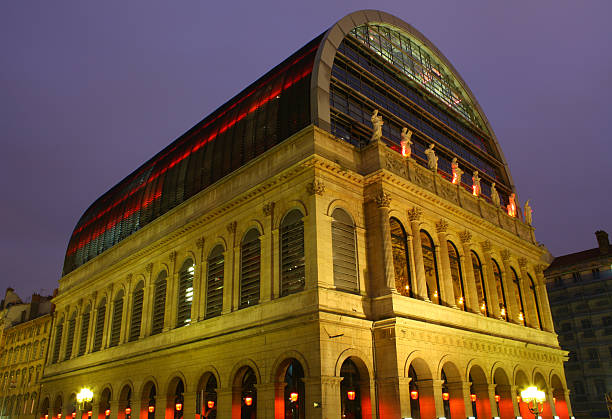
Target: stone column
{"points": [[171, 295], [147, 302], [77, 331], [507, 401], [269, 282], [160, 407], [414, 215], [550, 401], [318, 238], [225, 409], [515, 406], [126, 318], [114, 408], [483, 400], [566, 394], [383, 202], [446, 281], [189, 404], [430, 398], [330, 397], [228, 278], [276, 261], [266, 395], [93, 314], [513, 310], [203, 289], [107, 319], [471, 293], [411, 263], [494, 410], [547, 321], [531, 317], [460, 403], [199, 284], [490, 286]]}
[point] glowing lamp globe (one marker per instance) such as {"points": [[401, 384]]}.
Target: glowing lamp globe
{"points": [[179, 407], [89, 414], [497, 398], [85, 395], [532, 394], [107, 412], [414, 394], [445, 396], [151, 409], [293, 397], [350, 394], [248, 400], [210, 404], [128, 410], [473, 397]]}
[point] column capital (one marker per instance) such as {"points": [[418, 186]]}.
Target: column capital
{"points": [[268, 209], [415, 214], [465, 237], [505, 255], [316, 187], [522, 262], [442, 226], [486, 246], [383, 200]]}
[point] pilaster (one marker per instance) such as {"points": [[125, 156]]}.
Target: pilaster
{"points": [[471, 293], [446, 289], [414, 215]]}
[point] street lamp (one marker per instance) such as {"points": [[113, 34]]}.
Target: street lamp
{"points": [[534, 399], [83, 397]]}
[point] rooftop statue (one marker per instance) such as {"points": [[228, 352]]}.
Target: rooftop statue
{"points": [[432, 159], [494, 195], [377, 123], [457, 172], [475, 183], [528, 211], [406, 142]]}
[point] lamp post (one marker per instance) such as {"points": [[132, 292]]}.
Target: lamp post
{"points": [[534, 399], [83, 397]]}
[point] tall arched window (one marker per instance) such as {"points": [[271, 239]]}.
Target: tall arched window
{"points": [[136, 317], [84, 330], [455, 267], [250, 268], [518, 297], [70, 336], [431, 267], [480, 286], [117, 315], [185, 293], [344, 251], [159, 303], [499, 285], [536, 304], [59, 329], [101, 313], [214, 282], [292, 253], [401, 262]]}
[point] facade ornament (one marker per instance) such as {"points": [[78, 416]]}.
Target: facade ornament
{"points": [[149, 267], [539, 269], [432, 159], [231, 227], [494, 196], [511, 207], [200, 243], [172, 256], [406, 142], [383, 200], [475, 183], [528, 211], [486, 246], [465, 236], [315, 187], [268, 208], [415, 213], [441, 226], [522, 262], [457, 172], [505, 254], [377, 124], [128, 278]]}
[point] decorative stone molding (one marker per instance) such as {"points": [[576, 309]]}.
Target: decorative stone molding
{"points": [[415, 214], [315, 187], [539, 269], [486, 246], [268, 208], [465, 236], [522, 262], [172, 256], [200, 243], [441, 226], [149, 267], [505, 255], [383, 200], [128, 278], [231, 227]]}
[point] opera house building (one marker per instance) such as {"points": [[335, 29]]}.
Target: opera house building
{"points": [[342, 239]]}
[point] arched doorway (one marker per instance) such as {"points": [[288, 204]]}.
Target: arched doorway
{"points": [[245, 382], [479, 393], [147, 400], [503, 394], [104, 406], [559, 397], [206, 399], [350, 393], [422, 400], [291, 394], [540, 383], [452, 392], [125, 403], [521, 383], [44, 408], [175, 399], [57, 406]]}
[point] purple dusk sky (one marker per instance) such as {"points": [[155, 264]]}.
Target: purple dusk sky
{"points": [[91, 90]]}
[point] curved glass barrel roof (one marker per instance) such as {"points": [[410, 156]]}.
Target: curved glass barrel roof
{"points": [[267, 112]]}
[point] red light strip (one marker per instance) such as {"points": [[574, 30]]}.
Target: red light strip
{"points": [[72, 249]]}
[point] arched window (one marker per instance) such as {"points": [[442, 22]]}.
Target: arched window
{"points": [[294, 391], [70, 336], [480, 286], [117, 315], [292, 253], [59, 329], [499, 285], [185, 293], [401, 262], [35, 350], [99, 333], [344, 251], [84, 330], [43, 348], [536, 304], [455, 268], [250, 268], [136, 318], [350, 394], [431, 267], [214, 282], [518, 297], [159, 303]]}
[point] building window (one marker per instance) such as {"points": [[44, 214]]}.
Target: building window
{"points": [[292, 253], [499, 284], [401, 263], [480, 286], [214, 282], [159, 303], [58, 341], [457, 278], [70, 337], [101, 313], [185, 293], [577, 277], [534, 295], [593, 354], [250, 268], [518, 296], [117, 318], [136, 318], [344, 251], [84, 330], [431, 268], [595, 273]]}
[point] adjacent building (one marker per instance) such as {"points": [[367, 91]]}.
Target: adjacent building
{"points": [[580, 288], [304, 252], [24, 338]]}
